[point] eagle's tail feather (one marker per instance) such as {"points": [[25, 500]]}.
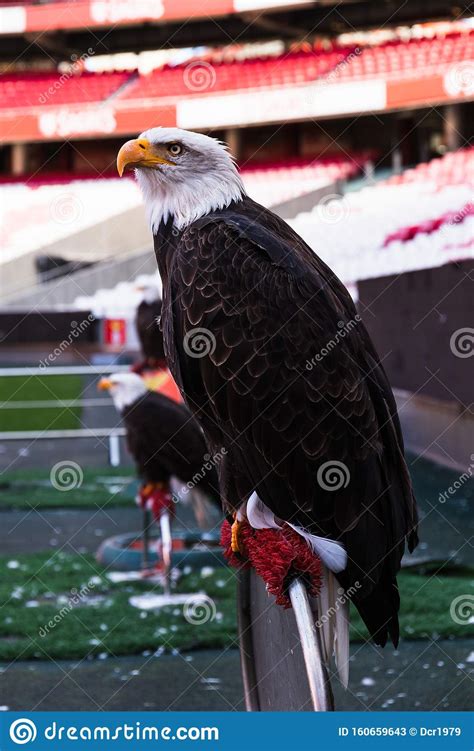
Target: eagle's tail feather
{"points": [[379, 611]]}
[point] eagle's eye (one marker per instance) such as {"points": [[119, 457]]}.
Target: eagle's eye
{"points": [[175, 149]]}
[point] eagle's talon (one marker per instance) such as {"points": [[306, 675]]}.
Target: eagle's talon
{"points": [[235, 536]]}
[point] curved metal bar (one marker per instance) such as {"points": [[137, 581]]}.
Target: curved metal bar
{"points": [[318, 678]]}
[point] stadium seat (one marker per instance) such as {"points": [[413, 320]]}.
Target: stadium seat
{"points": [[42, 89]]}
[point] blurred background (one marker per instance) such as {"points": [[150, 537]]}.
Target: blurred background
{"points": [[353, 120]]}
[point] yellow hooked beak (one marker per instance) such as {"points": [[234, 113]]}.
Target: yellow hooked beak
{"points": [[139, 152], [104, 384]]}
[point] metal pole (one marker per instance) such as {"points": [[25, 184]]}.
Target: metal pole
{"points": [[146, 540], [114, 450], [166, 547]]}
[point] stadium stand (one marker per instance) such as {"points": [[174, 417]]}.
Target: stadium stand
{"points": [[400, 59], [55, 206], [395, 59], [284, 70], [455, 168], [34, 89], [423, 218]]}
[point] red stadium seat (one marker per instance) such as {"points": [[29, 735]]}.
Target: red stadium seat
{"points": [[40, 89]]}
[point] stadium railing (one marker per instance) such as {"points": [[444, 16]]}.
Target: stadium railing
{"points": [[113, 433]]}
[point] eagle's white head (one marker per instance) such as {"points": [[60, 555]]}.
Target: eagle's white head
{"points": [[183, 175], [149, 291], [124, 388]]}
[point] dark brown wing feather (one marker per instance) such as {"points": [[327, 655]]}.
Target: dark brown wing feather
{"points": [[291, 382], [164, 439]]}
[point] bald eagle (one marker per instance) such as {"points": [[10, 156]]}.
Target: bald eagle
{"points": [[148, 330], [162, 436], [272, 358]]}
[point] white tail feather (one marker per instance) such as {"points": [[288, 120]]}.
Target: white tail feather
{"points": [[332, 553], [259, 515]]}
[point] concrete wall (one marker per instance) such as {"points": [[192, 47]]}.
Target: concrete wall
{"points": [[109, 239], [413, 319], [437, 430]]}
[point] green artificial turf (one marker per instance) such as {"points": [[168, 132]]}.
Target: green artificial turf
{"points": [[39, 388], [36, 588], [99, 487]]}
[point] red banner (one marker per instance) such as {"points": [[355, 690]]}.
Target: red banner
{"points": [[104, 13]]}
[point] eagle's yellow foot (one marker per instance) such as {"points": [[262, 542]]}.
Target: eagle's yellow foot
{"points": [[235, 536]]}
